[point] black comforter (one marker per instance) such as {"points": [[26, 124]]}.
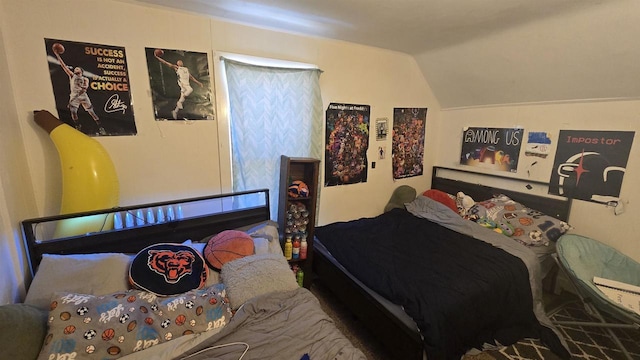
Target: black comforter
{"points": [[461, 292]]}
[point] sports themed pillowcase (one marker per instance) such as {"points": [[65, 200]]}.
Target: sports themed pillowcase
{"points": [[527, 226], [111, 326], [168, 269]]}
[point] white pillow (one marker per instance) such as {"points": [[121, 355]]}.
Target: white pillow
{"points": [[254, 275], [94, 274]]}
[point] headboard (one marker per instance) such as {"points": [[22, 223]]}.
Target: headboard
{"points": [[442, 179], [201, 217]]}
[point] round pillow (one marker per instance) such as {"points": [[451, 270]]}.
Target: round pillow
{"points": [[226, 246], [168, 269]]}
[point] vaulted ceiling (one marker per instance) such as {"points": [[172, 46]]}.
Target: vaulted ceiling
{"points": [[474, 52]]}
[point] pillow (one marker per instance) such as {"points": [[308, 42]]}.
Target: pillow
{"points": [[226, 246], [23, 330], [84, 326], [95, 274], [168, 269], [401, 195], [530, 227], [213, 276], [267, 230], [442, 197], [255, 275]]}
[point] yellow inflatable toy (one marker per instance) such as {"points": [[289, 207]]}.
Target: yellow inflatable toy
{"points": [[89, 179]]}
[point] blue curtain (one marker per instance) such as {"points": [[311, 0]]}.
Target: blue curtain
{"points": [[273, 112]]}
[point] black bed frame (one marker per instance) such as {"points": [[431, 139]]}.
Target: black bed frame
{"points": [[132, 240], [401, 341]]}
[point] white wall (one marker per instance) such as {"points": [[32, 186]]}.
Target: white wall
{"points": [[168, 160], [588, 219]]}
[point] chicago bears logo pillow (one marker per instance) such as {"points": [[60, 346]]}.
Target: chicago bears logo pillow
{"points": [[168, 269]]}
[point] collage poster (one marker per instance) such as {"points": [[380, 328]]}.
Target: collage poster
{"points": [[407, 149], [491, 148], [346, 144], [180, 84], [590, 165], [91, 87]]}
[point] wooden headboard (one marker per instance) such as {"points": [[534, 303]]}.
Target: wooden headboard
{"points": [[442, 178], [210, 215]]}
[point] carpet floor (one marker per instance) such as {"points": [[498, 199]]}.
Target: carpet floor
{"points": [[586, 343]]}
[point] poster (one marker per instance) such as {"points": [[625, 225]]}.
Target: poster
{"points": [[382, 128], [491, 148], [346, 144], [91, 87], [407, 149], [180, 84], [589, 165], [538, 144]]}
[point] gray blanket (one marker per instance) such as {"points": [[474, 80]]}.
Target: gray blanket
{"points": [[282, 325]]}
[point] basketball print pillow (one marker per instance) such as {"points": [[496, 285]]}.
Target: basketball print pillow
{"points": [[168, 269], [227, 246]]}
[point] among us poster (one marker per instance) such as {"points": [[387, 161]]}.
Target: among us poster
{"points": [[346, 144], [590, 165], [408, 142], [491, 148], [91, 87]]}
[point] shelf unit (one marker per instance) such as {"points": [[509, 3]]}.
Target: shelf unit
{"points": [[291, 219]]}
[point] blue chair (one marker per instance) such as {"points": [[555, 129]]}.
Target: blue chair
{"points": [[581, 259]]}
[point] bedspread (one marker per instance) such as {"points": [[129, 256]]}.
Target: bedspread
{"points": [[282, 325], [461, 292]]}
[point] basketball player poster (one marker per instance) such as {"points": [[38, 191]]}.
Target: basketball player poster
{"points": [[346, 144], [180, 84], [407, 148], [491, 148], [91, 87], [589, 165]]}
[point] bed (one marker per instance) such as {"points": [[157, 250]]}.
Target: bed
{"points": [[424, 285], [81, 305]]}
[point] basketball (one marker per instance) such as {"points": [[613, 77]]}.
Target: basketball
{"points": [[180, 320], [158, 52], [226, 246], [298, 189], [69, 329], [57, 48], [108, 334]]}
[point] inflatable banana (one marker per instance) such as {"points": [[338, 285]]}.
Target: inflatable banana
{"points": [[89, 180]]}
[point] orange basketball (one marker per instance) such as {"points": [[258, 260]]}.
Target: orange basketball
{"points": [[226, 246], [69, 329], [108, 334], [525, 221], [57, 48], [180, 320]]}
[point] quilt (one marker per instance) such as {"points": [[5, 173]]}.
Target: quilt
{"points": [[462, 292]]}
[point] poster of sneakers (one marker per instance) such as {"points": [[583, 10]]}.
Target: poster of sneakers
{"points": [[180, 84], [346, 144], [407, 147], [589, 165], [91, 87], [491, 148]]}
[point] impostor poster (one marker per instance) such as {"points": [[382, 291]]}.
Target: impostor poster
{"points": [[491, 148], [590, 165]]}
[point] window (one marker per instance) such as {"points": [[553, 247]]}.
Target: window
{"points": [[271, 108]]}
